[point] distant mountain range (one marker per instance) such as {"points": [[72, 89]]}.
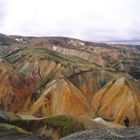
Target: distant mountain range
{"points": [[125, 42]]}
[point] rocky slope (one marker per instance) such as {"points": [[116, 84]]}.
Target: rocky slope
{"points": [[46, 70], [107, 134], [60, 97], [48, 77], [117, 100], [123, 58], [14, 87]]}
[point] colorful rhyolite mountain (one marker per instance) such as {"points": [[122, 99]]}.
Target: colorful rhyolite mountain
{"points": [[52, 76]]}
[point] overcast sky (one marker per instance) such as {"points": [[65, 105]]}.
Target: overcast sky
{"points": [[96, 20]]}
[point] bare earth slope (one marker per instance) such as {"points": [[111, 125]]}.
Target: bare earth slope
{"points": [[117, 100]]}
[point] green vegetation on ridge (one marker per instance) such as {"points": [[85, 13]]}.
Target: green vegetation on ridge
{"points": [[65, 60]]}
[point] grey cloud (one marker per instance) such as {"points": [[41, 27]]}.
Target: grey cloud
{"points": [[2, 12], [94, 20]]}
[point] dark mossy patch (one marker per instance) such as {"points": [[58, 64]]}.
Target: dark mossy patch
{"points": [[65, 125], [9, 132], [14, 128], [102, 83]]}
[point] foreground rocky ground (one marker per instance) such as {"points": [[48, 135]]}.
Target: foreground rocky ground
{"points": [[132, 133]]}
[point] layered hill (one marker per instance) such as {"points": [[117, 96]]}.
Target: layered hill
{"points": [[47, 77], [52, 74], [60, 97], [117, 100], [120, 58]]}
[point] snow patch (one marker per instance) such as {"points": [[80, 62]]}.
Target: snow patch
{"points": [[102, 121], [71, 41], [54, 48], [108, 124], [83, 44], [98, 119], [19, 39]]}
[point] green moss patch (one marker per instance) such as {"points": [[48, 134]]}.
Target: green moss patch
{"points": [[14, 128], [49, 55], [65, 125]]}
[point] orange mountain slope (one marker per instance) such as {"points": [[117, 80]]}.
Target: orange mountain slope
{"points": [[60, 97], [116, 101]]}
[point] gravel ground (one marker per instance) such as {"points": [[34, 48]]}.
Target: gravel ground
{"points": [[132, 133]]}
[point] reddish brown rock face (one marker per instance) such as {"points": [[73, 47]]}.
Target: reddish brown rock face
{"points": [[14, 88]]}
